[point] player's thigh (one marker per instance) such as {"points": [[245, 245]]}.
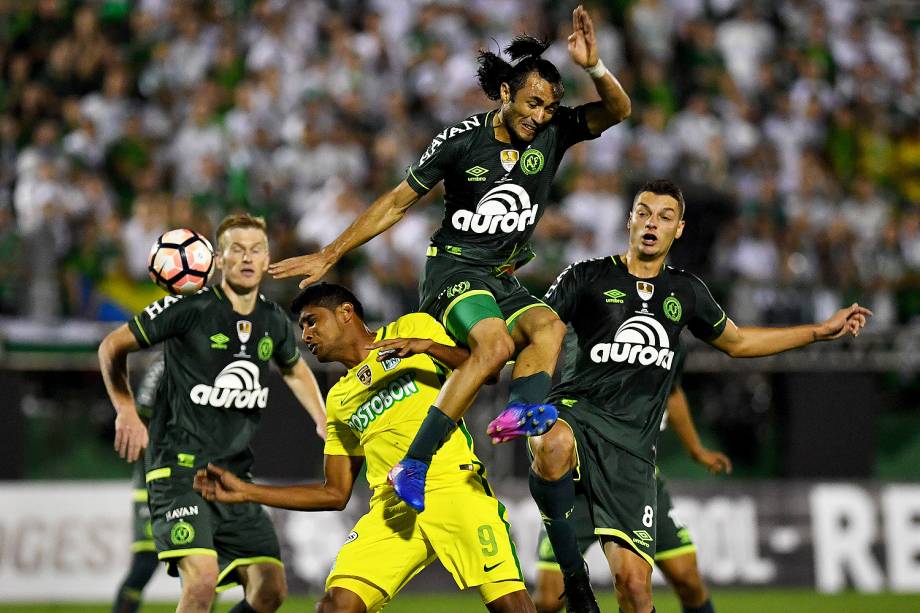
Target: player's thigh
{"points": [[631, 570], [468, 529], [548, 590], [622, 492], [344, 600], [459, 295], [198, 569], [244, 537], [263, 580], [682, 571], [672, 538], [507, 597], [535, 320], [383, 552]]}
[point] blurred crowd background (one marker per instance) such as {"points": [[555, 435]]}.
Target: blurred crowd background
{"points": [[793, 126]]}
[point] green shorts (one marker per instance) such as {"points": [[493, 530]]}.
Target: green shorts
{"points": [[185, 524], [460, 295], [672, 537], [142, 531]]}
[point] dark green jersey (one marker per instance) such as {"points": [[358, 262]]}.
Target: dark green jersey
{"points": [[147, 389], [216, 366], [628, 332], [495, 192]]}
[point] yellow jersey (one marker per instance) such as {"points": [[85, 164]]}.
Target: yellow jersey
{"points": [[376, 409]]}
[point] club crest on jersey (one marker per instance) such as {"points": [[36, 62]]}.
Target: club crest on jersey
{"points": [[243, 330], [504, 208], [532, 161], [639, 340], [509, 158], [364, 375], [645, 289]]}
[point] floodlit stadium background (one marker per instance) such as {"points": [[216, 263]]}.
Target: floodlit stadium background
{"points": [[793, 127]]}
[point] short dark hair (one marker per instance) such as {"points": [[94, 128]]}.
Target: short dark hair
{"points": [[326, 295], [664, 187], [493, 70]]}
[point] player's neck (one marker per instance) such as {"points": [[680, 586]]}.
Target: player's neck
{"points": [[243, 304], [642, 268], [357, 352], [502, 133]]}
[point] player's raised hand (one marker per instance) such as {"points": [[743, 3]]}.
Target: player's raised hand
{"points": [[850, 320], [715, 462], [400, 347], [313, 266], [218, 485], [582, 44], [130, 435]]}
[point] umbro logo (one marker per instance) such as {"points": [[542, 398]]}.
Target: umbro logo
{"points": [[476, 173], [219, 341], [615, 296]]}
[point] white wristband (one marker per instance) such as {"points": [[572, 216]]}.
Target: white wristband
{"points": [[597, 71]]}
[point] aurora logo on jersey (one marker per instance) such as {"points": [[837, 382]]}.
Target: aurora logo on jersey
{"points": [[236, 386], [505, 207], [639, 339], [392, 393], [437, 141]]}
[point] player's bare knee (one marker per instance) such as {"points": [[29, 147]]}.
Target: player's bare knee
{"points": [[551, 334], [553, 453], [338, 600], [493, 355], [199, 593], [269, 597], [689, 586], [635, 587]]}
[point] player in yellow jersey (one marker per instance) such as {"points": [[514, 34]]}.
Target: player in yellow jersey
{"points": [[373, 413]]}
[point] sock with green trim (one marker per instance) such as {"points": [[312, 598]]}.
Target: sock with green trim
{"points": [[143, 565], [532, 389], [706, 607], [242, 607], [431, 435], [556, 501]]}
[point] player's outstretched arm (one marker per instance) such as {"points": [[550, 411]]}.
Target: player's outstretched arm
{"points": [[449, 356], [130, 431], [302, 382], [614, 105], [681, 421], [751, 342], [217, 484], [379, 216]]}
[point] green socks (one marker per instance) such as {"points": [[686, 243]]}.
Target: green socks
{"points": [[532, 389]]}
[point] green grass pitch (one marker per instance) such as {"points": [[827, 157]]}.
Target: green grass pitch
{"points": [[760, 601]]}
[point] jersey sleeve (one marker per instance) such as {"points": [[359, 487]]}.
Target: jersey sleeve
{"points": [[166, 318], [287, 352], [572, 125], [433, 165], [562, 295], [709, 319], [340, 439]]}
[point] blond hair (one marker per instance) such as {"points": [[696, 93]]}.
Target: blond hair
{"points": [[238, 220]]}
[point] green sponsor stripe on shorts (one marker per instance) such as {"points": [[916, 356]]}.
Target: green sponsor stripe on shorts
{"points": [[474, 306], [140, 328], [622, 537], [138, 546], [139, 495], [669, 554], [464, 296], [242, 562], [157, 473], [181, 553]]}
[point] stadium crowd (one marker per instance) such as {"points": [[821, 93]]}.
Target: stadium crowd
{"points": [[793, 125]]}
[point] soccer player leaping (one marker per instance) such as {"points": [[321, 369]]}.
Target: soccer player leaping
{"points": [[627, 312], [497, 169]]}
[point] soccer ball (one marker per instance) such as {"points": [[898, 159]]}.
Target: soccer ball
{"points": [[181, 261]]}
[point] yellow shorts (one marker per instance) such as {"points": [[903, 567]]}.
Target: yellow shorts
{"points": [[464, 527]]}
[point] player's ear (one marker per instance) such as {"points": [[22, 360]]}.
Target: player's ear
{"points": [[346, 311], [680, 229], [505, 91]]}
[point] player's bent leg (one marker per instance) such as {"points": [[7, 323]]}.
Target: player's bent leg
{"points": [[547, 595], [683, 574], [265, 588], [199, 578], [517, 601], [538, 334], [632, 575], [340, 600]]}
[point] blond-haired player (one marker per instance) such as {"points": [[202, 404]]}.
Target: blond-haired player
{"points": [[373, 413]]}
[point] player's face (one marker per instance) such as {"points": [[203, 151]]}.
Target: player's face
{"points": [[531, 108], [243, 258], [321, 331], [654, 223]]}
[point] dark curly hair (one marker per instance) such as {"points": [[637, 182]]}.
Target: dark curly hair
{"points": [[525, 52]]}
